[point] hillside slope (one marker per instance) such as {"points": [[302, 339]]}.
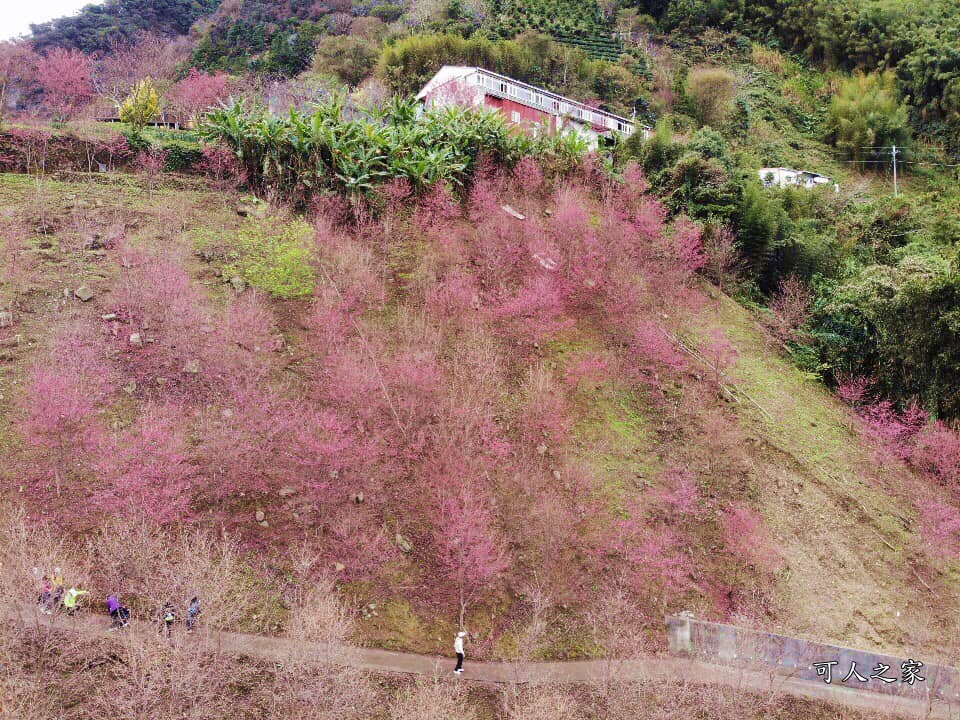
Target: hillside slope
{"points": [[449, 409]]}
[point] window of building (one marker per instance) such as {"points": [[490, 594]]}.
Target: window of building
{"points": [[515, 116]]}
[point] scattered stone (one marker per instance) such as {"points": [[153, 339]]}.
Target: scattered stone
{"points": [[339, 567], [334, 474], [358, 498], [238, 283], [548, 213], [227, 413], [130, 388], [83, 294], [260, 515], [513, 213], [264, 523], [287, 491], [136, 340], [192, 367], [556, 474], [6, 319], [109, 317], [546, 262], [541, 449], [404, 544]]}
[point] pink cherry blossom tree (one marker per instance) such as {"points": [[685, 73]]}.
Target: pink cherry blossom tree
{"points": [[61, 400], [469, 548], [197, 92], [66, 79], [146, 468]]}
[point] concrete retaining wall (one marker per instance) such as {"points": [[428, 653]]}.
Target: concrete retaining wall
{"points": [[793, 657]]}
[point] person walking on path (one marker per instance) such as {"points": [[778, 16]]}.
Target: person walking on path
{"points": [[458, 649], [193, 612], [168, 615], [58, 586], [119, 615], [45, 601], [71, 599]]}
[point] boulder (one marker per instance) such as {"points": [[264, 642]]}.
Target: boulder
{"points": [[260, 515], [136, 340], [83, 294], [339, 567], [238, 283], [130, 388], [404, 544], [287, 491], [541, 449], [6, 319], [358, 498], [192, 367]]}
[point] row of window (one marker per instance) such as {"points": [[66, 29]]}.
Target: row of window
{"points": [[556, 106]]}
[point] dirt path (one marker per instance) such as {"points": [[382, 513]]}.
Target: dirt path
{"points": [[649, 668]]}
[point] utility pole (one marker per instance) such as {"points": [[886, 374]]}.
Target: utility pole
{"points": [[893, 154]]}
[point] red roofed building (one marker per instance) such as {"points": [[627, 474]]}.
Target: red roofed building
{"points": [[534, 108]]}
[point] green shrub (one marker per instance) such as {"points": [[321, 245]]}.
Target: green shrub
{"points": [[136, 141], [866, 115], [387, 12], [181, 154], [711, 92], [276, 257], [349, 57], [142, 105]]}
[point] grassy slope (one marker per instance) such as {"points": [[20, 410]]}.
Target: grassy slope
{"points": [[842, 519]]}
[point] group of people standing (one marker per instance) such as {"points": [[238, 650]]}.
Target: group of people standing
{"points": [[168, 615], [53, 595]]}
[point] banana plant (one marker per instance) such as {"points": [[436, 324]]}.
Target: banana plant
{"points": [[331, 146]]}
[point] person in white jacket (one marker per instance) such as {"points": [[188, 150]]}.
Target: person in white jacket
{"points": [[458, 649]]}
